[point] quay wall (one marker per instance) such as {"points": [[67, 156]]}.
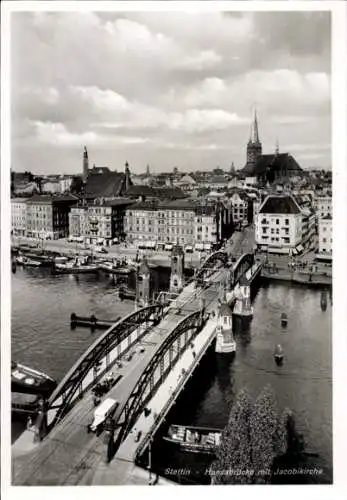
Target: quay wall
{"points": [[314, 279]]}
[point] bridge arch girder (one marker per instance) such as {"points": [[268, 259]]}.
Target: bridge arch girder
{"points": [[140, 396], [218, 256], [114, 336], [245, 262]]}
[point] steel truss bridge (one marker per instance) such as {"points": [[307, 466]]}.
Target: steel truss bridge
{"points": [[164, 359], [99, 358], [117, 340]]}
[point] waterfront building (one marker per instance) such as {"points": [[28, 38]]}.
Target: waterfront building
{"points": [[279, 225], [18, 216], [48, 216], [325, 235], [186, 222], [99, 222], [78, 221], [141, 222]]}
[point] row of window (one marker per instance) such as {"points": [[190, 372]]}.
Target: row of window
{"points": [[277, 239], [266, 221]]}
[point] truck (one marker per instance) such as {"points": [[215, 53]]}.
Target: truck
{"points": [[105, 409]]}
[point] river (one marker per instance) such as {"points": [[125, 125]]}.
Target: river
{"points": [[42, 338]]}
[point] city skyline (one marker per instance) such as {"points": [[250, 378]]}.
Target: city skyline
{"points": [[184, 95]]}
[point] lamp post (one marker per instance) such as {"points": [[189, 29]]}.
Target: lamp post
{"points": [[150, 461]]}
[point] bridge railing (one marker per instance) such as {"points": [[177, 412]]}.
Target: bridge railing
{"points": [[181, 384], [146, 385], [84, 369]]}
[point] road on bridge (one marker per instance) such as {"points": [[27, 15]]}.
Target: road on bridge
{"points": [[69, 454]]}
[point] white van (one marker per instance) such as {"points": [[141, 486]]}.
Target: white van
{"points": [[105, 409]]}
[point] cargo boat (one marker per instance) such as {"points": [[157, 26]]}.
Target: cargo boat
{"points": [[76, 266], [25, 404], [278, 354], [194, 439], [26, 380]]}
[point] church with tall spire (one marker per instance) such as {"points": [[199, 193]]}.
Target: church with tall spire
{"points": [[267, 167], [254, 148]]}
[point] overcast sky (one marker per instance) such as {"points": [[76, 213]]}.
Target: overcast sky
{"points": [[168, 89]]}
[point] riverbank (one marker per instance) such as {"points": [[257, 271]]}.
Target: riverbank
{"points": [[154, 258], [307, 279]]}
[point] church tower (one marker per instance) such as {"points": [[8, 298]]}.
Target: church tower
{"points": [[254, 148], [85, 164], [128, 182], [143, 284], [177, 269]]}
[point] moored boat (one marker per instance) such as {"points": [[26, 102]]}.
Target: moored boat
{"points": [[278, 354], [323, 301], [25, 261], [284, 319], [29, 381], [122, 270], [75, 266], [24, 404], [194, 439], [125, 293]]}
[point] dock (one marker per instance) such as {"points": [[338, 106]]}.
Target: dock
{"points": [[91, 322]]}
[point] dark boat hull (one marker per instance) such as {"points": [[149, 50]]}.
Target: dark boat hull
{"points": [[25, 380], [24, 404], [279, 359], [192, 448]]}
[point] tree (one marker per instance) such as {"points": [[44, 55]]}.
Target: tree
{"points": [[265, 434], [234, 453], [253, 440]]}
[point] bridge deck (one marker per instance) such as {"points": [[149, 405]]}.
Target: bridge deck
{"points": [[69, 455], [121, 469]]}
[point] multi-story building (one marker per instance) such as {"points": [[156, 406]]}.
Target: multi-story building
{"points": [[101, 222], [18, 216], [325, 235], [141, 222], [78, 221], [181, 221], [241, 207], [323, 206], [309, 227], [47, 217], [279, 225]]}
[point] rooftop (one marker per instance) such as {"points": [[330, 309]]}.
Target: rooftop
{"points": [[279, 205], [155, 192], [224, 310], [105, 184], [46, 198]]}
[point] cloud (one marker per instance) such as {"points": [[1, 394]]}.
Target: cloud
{"points": [[181, 87]]}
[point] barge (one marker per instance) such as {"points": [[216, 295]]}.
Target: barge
{"points": [[194, 439]]}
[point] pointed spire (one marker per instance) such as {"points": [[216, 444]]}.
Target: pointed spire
{"points": [[277, 150], [255, 133], [85, 152]]}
